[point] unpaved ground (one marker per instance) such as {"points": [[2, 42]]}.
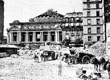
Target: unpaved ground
{"points": [[27, 69]]}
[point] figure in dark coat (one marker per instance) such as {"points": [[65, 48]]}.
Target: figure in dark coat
{"points": [[96, 63]]}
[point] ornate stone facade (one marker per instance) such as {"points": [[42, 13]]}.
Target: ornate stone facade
{"points": [[43, 28], [47, 27]]}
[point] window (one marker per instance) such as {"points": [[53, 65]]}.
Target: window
{"points": [[30, 36], [98, 30], [89, 21], [97, 5], [45, 36], [98, 21], [23, 34], [89, 38], [88, 13], [15, 36], [67, 19], [89, 30], [52, 36], [60, 36], [88, 6], [97, 13], [98, 38]]}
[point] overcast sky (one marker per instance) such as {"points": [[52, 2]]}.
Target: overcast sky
{"points": [[22, 10]]}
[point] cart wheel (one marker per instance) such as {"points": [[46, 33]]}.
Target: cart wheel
{"points": [[86, 59]]}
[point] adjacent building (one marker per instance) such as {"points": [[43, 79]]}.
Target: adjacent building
{"points": [[1, 20], [93, 21], [73, 28]]}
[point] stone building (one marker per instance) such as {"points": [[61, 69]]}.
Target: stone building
{"points": [[93, 26], [1, 20], [47, 27], [39, 30], [73, 28]]}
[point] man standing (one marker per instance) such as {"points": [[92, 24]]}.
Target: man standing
{"points": [[60, 69]]}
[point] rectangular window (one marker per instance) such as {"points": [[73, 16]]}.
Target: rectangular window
{"points": [[89, 21], [89, 38], [97, 5], [89, 30], [15, 36], [45, 36], [88, 13], [98, 30], [30, 36], [67, 20], [52, 36], [88, 6], [98, 21], [97, 13], [98, 38], [23, 34], [60, 36]]}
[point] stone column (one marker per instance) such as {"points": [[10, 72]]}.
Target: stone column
{"points": [[17, 37], [63, 35], [56, 36], [11, 37], [49, 36], [20, 36], [34, 36], [41, 38], [8, 38], [26, 37]]}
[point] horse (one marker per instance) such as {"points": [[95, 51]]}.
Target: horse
{"points": [[102, 61], [107, 67], [96, 63]]}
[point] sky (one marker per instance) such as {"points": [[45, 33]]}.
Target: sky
{"points": [[23, 10]]}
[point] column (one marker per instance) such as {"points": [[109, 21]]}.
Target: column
{"points": [[26, 37], [8, 40], [11, 37], [41, 38], [17, 37], [49, 36], [56, 38], [63, 35], [34, 36]]}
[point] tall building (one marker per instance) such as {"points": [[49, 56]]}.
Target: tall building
{"points": [[107, 10], [93, 27], [1, 20]]}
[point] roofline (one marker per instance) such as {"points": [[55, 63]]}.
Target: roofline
{"points": [[21, 23]]}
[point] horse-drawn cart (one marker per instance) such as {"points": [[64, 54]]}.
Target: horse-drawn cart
{"points": [[76, 57]]}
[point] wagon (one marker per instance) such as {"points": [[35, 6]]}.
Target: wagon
{"points": [[7, 50], [84, 57], [79, 57]]}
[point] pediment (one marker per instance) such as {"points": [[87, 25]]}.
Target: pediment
{"points": [[15, 28]]}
